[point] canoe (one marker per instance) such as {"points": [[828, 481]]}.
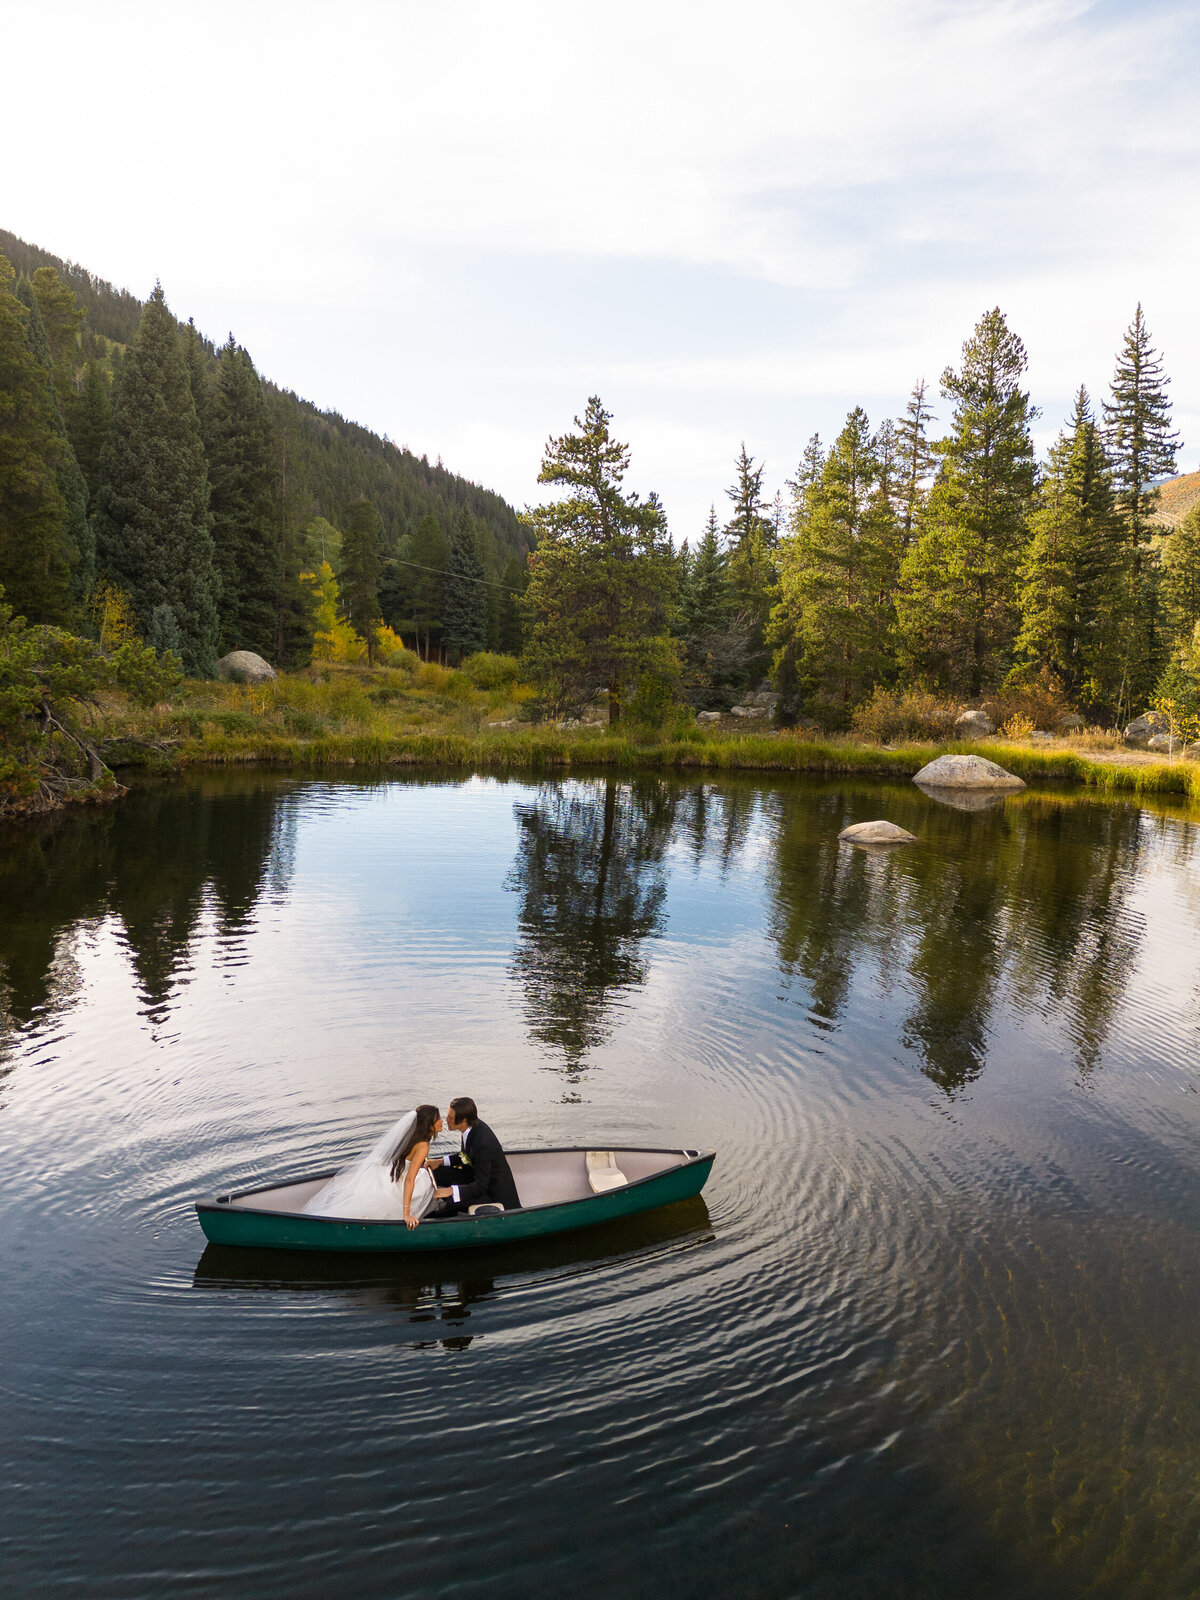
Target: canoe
{"points": [[564, 1189]]}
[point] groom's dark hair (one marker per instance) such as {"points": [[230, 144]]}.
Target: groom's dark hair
{"points": [[465, 1108]]}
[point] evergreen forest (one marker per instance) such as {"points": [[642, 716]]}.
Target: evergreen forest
{"points": [[159, 496]]}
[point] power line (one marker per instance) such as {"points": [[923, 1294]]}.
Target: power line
{"points": [[441, 572]]}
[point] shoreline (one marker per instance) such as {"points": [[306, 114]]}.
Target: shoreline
{"points": [[1125, 772]]}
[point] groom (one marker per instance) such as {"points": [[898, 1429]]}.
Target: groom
{"points": [[481, 1174]]}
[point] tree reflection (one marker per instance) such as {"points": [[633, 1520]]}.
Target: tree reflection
{"points": [[1033, 894], [156, 862], [590, 874]]}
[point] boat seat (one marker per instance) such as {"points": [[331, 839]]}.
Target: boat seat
{"points": [[603, 1171], [485, 1208]]}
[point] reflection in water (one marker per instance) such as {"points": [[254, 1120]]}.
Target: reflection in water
{"points": [[444, 1287], [1035, 893], [154, 863], [947, 1346], [589, 871]]}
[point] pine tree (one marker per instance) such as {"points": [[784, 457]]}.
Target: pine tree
{"points": [[600, 594], [154, 527], [80, 548], [464, 594], [63, 321], [707, 606], [915, 459], [240, 463], [1181, 579], [360, 571], [749, 508], [1142, 448], [1072, 578], [833, 623], [424, 555], [34, 566], [89, 421], [957, 603]]}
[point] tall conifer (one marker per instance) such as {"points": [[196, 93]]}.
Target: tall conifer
{"points": [[464, 595], [243, 522], [89, 421], [957, 605], [915, 458], [154, 526], [1072, 583], [834, 618], [361, 530], [80, 548], [1142, 448], [34, 565]]}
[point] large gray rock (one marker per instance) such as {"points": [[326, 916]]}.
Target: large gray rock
{"points": [[876, 833], [974, 725], [746, 711], [243, 666], [1146, 726], [967, 772], [1164, 742], [1071, 723]]}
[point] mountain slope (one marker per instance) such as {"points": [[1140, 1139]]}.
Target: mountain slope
{"points": [[327, 460]]}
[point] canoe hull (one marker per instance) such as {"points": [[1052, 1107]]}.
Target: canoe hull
{"points": [[228, 1224]]}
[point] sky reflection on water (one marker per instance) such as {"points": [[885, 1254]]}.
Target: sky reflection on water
{"points": [[930, 1331]]}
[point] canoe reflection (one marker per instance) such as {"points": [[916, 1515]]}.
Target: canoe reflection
{"points": [[443, 1287]]}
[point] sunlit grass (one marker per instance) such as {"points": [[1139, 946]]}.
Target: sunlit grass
{"points": [[430, 715]]}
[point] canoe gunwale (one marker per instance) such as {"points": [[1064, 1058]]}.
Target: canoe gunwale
{"points": [[224, 1203]]}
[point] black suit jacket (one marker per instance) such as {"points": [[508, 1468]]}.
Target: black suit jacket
{"points": [[486, 1175]]}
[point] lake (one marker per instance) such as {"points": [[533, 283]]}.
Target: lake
{"points": [[932, 1329]]}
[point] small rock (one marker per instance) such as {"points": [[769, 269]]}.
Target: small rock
{"points": [[974, 725], [1071, 723], [1039, 736], [745, 711], [708, 716], [243, 666], [1146, 726], [967, 772], [876, 833], [1163, 741]]}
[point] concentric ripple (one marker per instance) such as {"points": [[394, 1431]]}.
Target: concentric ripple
{"points": [[930, 1331]]}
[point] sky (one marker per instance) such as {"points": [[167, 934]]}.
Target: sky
{"points": [[455, 222]]}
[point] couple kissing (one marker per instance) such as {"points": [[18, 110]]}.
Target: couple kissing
{"points": [[398, 1180]]}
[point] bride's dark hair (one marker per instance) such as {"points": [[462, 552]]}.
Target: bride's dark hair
{"points": [[421, 1130]]}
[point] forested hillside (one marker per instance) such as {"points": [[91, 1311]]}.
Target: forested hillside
{"points": [[312, 465]]}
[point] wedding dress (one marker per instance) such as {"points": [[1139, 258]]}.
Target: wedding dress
{"points": [[366, 1187]]}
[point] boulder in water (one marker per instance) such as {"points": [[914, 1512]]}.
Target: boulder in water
{"points": [[876, 833], [967, 772], [243, 666]]}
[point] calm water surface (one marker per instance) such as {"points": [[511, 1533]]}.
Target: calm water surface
{"points": [[933, 1329]]}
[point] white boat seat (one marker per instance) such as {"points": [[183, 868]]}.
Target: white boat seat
{"points": [[485, 1208], [603, 1171]]}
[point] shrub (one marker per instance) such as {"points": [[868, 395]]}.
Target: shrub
{"points": [[1038, 698], [903, 714], [1018, 726], [459, 687], [489, 670], [405, 661]]}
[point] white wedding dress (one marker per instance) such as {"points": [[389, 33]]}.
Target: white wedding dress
{"points": [[366, 1187]]}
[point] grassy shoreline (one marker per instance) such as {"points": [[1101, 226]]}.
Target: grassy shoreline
{"points": [[552, 749], [342, 717]]}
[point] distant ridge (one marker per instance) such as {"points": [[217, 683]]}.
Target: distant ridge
{"points": [[1177, 496], [330, 460]]}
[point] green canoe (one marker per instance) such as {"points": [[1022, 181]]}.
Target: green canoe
{"points": [[560, 1190]]}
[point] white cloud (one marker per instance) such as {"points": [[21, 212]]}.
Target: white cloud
{"points": [[782, 209]]}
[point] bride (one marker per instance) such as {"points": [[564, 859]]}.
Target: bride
{"points": [[390, 1180]]}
